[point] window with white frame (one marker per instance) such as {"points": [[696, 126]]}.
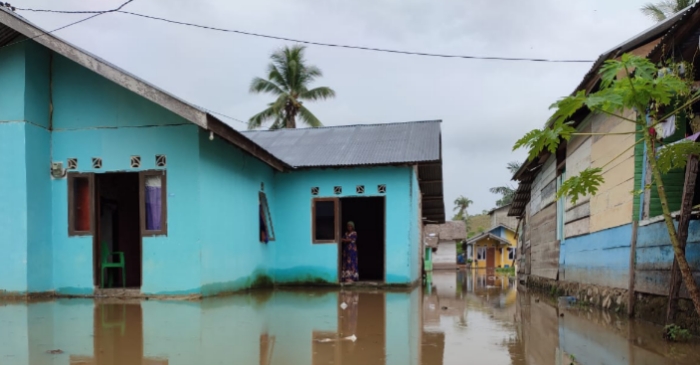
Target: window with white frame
{"points": [[481, 253], [511, 253]]}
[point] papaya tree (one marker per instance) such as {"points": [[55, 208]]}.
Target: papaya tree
{"points": [[654, 94]]}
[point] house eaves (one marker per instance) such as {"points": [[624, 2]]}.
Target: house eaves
{"points": [[121, 77], [489, 236]]}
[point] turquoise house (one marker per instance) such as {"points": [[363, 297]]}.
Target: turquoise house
{"points": [[109, 182]]}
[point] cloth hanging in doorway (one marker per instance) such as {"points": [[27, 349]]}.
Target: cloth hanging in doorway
{"points": [[666, 128], [154, 203]]}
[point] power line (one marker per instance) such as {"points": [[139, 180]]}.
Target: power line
{"points": [[314, 43], [67, 25], [356, 47]]}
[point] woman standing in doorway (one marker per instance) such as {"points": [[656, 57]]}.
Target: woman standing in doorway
{"points": [[349, 270]]}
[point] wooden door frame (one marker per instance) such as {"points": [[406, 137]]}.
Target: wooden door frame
{"points": [[96, 246], [340, 228]]}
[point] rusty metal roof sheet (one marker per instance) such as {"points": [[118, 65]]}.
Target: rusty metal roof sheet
{"points": [[353, 145]]}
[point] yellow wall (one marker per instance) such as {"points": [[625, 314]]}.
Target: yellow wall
{"points": [[611, 206], [501, 258]]}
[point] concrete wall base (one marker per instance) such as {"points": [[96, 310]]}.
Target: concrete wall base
{"points": [[614, 299]]}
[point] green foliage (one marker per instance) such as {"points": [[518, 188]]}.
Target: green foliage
{"points": [[510, 271], [461, 205], [675, 333], [507, 192], [675, 156], [630, 83], [537, 140], [661, 10], [288, 80], [585, 183]]}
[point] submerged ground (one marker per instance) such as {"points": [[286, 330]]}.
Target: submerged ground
{"points": [[462, 317]]}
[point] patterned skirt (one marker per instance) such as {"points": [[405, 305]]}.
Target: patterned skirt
{"points": [[349, 267]]}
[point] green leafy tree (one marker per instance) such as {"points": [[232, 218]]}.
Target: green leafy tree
{"points": [[631, 83], [663, 9], [288, 79], [507, 192], [461, 205]]}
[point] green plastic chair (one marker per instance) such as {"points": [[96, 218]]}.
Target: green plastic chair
{"points": [[107, 264]]}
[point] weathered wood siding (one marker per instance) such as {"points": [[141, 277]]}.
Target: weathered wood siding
{"points": [[612, 205], [500, 217], [544, 187], [542, 225], [544, 247], [577, 220]]}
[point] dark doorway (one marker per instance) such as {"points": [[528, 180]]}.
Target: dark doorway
{"points": [[368, 216], [118, 228]]}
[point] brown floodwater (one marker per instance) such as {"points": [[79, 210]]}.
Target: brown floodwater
{"points": [[460, 318]]}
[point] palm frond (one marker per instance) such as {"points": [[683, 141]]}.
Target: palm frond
{"points": [[319, 93], [257, 120], [307, 74], [308, 118], [259, 85], [653, 11], [274, 74], [503, 190], [513, 166]]}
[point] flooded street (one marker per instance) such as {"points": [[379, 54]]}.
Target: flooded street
{"points": [[461, 318]]}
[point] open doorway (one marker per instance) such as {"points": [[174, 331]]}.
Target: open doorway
{"points": [[118, 239], [369, 218]]}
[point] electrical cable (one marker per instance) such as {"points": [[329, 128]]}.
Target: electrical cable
{"points": [[314, 43], [67, 25]]}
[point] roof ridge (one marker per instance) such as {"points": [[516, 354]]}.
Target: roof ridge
{"points": [[344, 126]]}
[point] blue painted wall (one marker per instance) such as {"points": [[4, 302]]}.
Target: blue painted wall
{"points": [[232, 256], [297, 259], [601, 258], [416, 223], [170, 263], [87, 107], [13, 210], [38, 189], [655, 257], [84, 99], [59, 110], [24, 187]]}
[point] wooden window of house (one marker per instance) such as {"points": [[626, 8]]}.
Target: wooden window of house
{"points": [[267, 230], [325, 220], [81, 190], [153, 203]]}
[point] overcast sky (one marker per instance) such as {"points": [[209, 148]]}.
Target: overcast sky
{"points": [[485, 106]]}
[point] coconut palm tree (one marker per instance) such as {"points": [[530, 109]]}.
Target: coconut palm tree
{"points": [[665, 8], [288, 78], [461, 205], [513, 166], [507, 192]]}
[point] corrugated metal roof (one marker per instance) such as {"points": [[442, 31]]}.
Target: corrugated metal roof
{"points": [[353, 145]]}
